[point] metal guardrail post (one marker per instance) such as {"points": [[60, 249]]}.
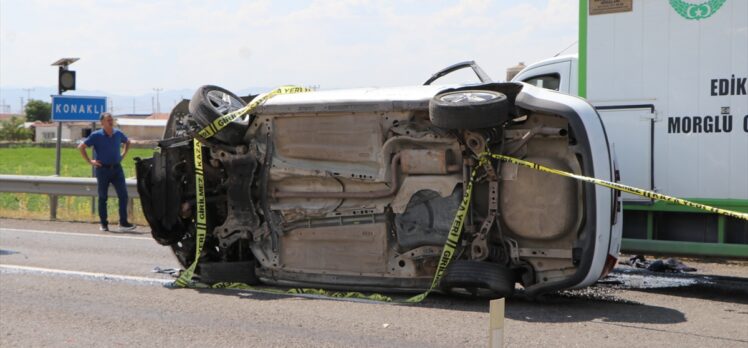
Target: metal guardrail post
{"points": [[52, 207], [129, 209]]}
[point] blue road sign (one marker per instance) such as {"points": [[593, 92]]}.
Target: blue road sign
{"points": [[77, 108]]}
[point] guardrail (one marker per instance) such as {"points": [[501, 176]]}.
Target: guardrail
{"points": [[60, 186]]}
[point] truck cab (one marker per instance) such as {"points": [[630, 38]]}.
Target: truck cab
{"points": [[557, 73], [669, 83]]}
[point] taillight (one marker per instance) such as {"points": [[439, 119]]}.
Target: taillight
{"points": [[610, 263]]}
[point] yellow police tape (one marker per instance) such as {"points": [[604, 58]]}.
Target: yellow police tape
{"points": [[222, 121], [185, 278], [619, 187], [201, 219]]}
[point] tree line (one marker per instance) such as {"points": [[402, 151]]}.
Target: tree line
{"points": [[35, 110]]}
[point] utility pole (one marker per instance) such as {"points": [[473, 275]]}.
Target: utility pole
{"points": [[158, 104], [21, 110], [28, 93]]}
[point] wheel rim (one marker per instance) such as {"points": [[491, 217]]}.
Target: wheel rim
{"points": [[223, 102], [468, 97]]}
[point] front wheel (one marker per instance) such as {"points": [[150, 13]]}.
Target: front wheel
{"points": [[212, 102], [469, 109]]}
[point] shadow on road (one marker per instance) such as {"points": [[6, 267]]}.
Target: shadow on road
{"points": [[587, 305], [570, 306], [601, 303]]}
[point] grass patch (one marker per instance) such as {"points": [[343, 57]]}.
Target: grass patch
{"points": [[30, 160]]}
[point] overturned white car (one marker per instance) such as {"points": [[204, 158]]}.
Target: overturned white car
{"points": [[357, 189]]}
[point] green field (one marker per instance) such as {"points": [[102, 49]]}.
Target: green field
{"points": [[31, 160], [28, 160]]}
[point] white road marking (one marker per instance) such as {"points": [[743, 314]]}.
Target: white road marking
{"points": [[98, 276], [72, 234], [18, 269]]}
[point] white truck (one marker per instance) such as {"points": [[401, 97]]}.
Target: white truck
{"points": [[669, 80]]}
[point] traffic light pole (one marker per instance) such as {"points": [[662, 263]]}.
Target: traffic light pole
{"points": [[65, 82], [53, 199]]}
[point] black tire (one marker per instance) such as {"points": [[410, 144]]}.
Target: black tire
{"points": [[469, 109], [211, 102], [477, 278], [230, 272]]}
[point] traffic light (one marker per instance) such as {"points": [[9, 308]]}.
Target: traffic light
{"points": [[66, 80]]}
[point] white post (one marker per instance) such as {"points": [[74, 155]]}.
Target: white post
{"points": [[496, 324]]}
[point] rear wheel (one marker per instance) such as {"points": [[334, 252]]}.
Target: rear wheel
{"points": [[479, 279], [212, 102], [469, 109]]}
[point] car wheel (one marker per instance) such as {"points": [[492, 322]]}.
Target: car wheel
{"points": [[184, 249], [478, 279], [212, 102], [230, 272], [470, 109]]}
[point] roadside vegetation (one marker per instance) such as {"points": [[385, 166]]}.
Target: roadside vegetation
{"points": [[12, 130], [33, 160]]}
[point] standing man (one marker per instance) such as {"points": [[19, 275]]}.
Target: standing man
{"points": [[107, 142]]}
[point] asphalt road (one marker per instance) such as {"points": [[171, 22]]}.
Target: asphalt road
{"points": [[67, 284]]}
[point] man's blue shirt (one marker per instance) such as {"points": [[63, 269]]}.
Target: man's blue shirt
{"points": [[107, 147]]}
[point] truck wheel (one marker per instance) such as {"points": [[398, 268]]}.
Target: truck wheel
{"points": [[470, 109], [212, 102], [478, 279]]}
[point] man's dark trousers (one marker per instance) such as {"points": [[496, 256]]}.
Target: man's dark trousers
{"points": [[114, 175]]}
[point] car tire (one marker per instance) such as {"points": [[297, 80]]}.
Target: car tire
{"points": [[469, 109], [478, 279], [229, 272], [211, 102]]}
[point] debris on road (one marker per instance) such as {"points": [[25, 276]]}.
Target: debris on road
{"points": [[668, 265], [170, 271]]}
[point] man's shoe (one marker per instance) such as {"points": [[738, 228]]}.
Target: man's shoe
{"points": [[104, 228], [126, 227]]}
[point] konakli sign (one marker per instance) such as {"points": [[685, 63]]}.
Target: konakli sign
{"points": [[77, 108]]}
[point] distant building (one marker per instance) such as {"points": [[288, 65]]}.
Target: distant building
{"points": [[159, 116], [139, 128], [45, 132], [142, 129], [140, 116]]}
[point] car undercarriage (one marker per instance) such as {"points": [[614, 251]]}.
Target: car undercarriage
{"points": [[358, 189]]}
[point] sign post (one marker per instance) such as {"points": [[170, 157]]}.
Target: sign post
{"points": [[65, 82]]}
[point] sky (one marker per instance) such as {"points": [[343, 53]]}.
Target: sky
{"points": [[130, 47]]}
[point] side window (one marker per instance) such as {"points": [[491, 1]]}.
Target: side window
{"points": [[549, 81]]}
